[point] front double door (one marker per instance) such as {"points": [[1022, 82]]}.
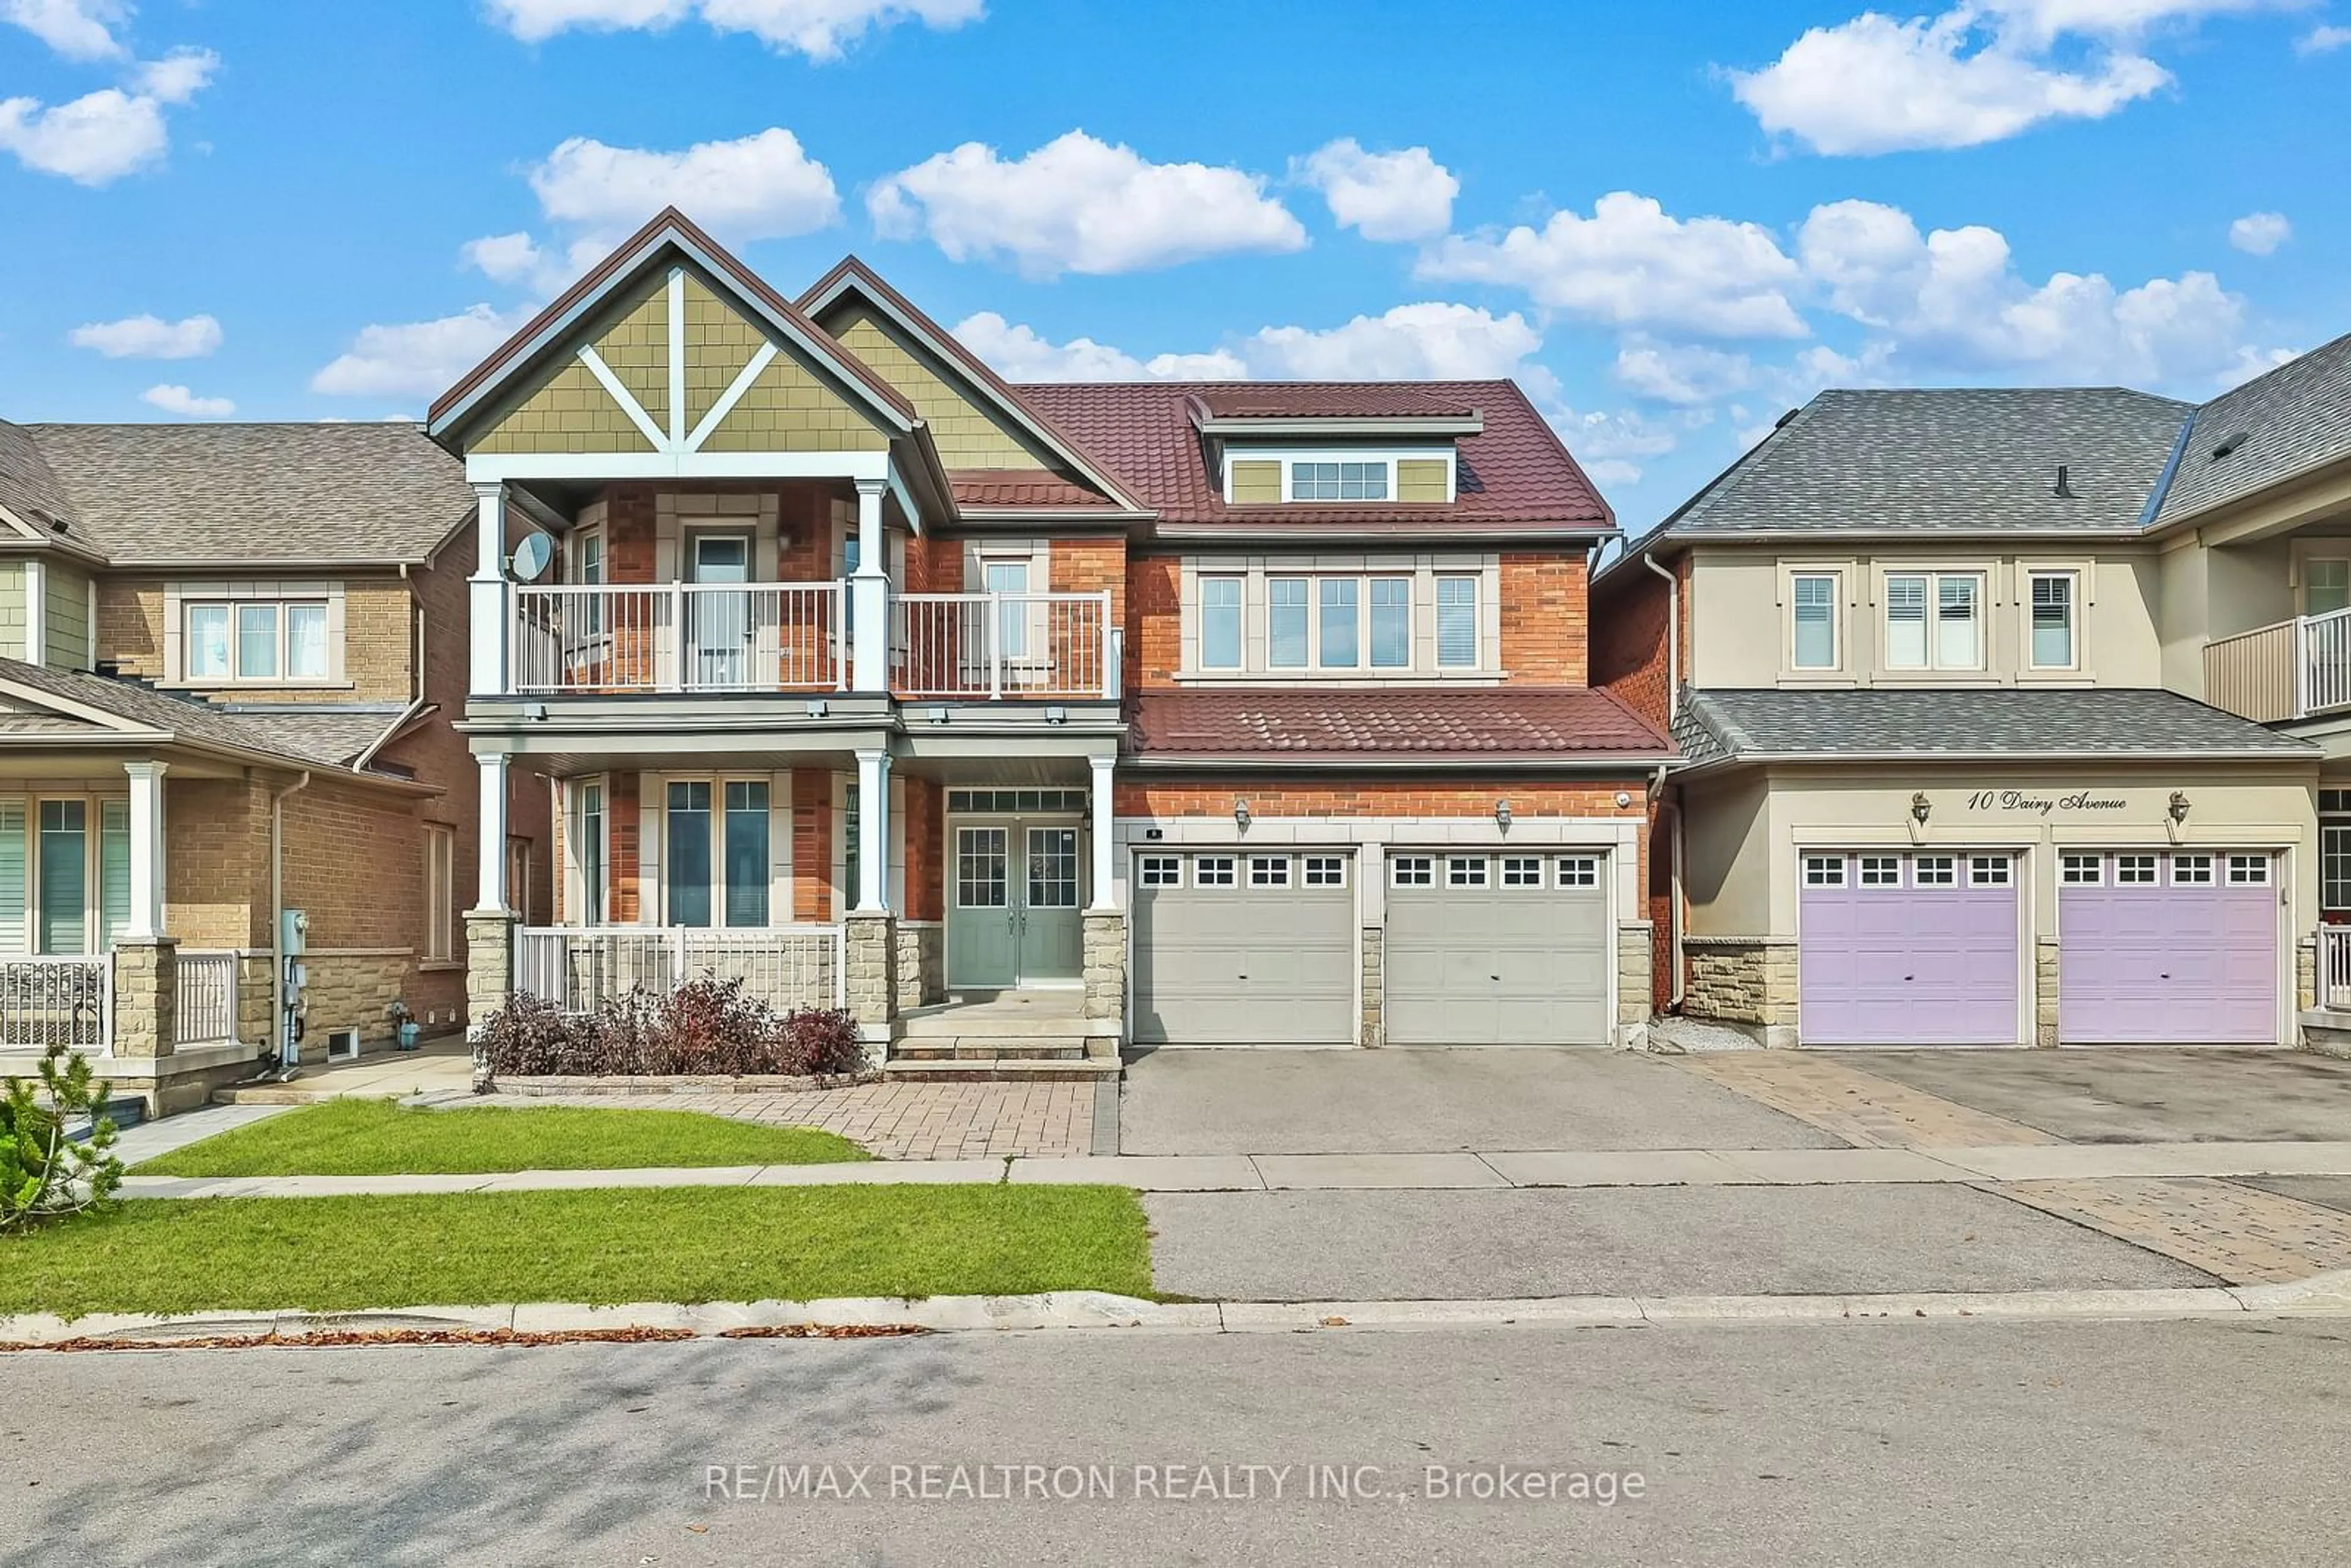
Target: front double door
{"points": [[1013, 907]]}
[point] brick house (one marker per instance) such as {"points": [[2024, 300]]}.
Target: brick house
{"points": [[230, 655], [1027, 721]]}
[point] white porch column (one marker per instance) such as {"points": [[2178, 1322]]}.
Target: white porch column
{"points": [[873, 829], [1105, 890], [146, 921], [869, 593], [490, 620], [493, 868]]}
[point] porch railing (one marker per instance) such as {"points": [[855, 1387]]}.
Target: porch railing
{"points": [[2334, 967], [579, 967], [57, 1000], [205, 1013], [681, 637], [998, 645], [2288, 670]]}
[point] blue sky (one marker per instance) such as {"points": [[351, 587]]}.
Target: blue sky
{"points": [[1671, 221]]}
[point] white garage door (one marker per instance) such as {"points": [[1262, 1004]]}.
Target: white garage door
{"points": [[1244, 949], [1497, 949]]}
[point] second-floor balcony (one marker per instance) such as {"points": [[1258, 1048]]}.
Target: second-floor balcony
{"points": [[786, 637], [2289, 670]]}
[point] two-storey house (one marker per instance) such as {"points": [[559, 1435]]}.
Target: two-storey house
{"points": [[1027, 720], [1943, 781], [230, 655]]}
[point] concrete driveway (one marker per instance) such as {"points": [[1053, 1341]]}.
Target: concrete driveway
{"points": [[2132, 1096], [1420, 1102]]}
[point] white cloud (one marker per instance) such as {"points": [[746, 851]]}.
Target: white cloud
{"points": [[1612, 447], [762, 186], [1429, 341], [176, 399], [1680, 373], [149, 338], [1020, 354], [507, 258], [416, 359], [93, 141], [1953, 299], [1383, 196], [77, 29], [2322, 40], [1876, 84], [2045, 19], [2259, 233], [820, 29], [1633, 264], [1078, 204], [178, 75]]}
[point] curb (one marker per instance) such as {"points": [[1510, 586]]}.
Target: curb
{"points": [[2326, 1295]]}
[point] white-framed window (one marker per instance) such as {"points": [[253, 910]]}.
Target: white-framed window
{"points": [[1466, 871], [2049, 636], [1349, 480], [1288, 601], [1268, 871], [2326, 584], [1326, 870], [2249, 870], [277, 640], [1338, 643], [1881, 871], [1933, 871], [1824, 871], [2081, 870], [65, 873], [1523, 870], [1159, 871], [1456, 622], [440, 892], [1579, 871], [1813, 629], [1214, 870], [1412, 870], [2137, 871], [1934, 620], [718, 841], [1989, 870], [519, 874], [2187, 871], [588, 851], [1391, 600], [2334, 866], [1220, 622]]}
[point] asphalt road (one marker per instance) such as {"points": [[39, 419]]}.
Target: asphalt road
{"points": [[1853, 1443]]}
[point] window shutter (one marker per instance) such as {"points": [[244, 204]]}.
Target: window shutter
{"points": [[12, 877], [113, 870]]}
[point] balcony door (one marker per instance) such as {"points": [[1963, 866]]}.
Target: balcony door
{"points": [[718, 630]]}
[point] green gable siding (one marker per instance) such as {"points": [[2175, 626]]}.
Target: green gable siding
{"points": [[1421, 478], [67, 602], [1256, 481], [967, 435]]}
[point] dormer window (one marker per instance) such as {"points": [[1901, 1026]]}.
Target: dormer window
{"points": [[1365, 476], [1316, 481]]}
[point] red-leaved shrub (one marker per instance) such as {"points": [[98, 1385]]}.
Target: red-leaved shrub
{"points": [[705, 1028]]}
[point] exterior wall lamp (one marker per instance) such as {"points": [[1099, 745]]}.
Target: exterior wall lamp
{"points": [[1502, 815], [1241, 814], [1921, 808], [2179, 806]]}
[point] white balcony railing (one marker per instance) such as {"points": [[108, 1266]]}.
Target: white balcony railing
{"points": [[680, 637], [2334, 967], [205, 1012], [1003, 645], [579, 967], [2288, 670], [57, 1000]]}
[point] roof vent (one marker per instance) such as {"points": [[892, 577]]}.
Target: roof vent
{"points": [[2064, 490], [1781, 423], [2228, 444]]}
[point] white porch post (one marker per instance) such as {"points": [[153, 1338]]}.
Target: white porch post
{"points": [[1105, 896], [146, 921], [872, 828], [489, 628], [869, 593], [492, 868]]}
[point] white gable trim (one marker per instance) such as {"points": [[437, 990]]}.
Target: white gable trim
{"points": [[628, 404]]}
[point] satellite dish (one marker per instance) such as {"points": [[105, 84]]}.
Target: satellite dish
{"points": [[532, 557]]}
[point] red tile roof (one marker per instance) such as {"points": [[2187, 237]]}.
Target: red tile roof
{"points": [[1021, 488], [1326, 400], [1515, 476], [1490, 721]]}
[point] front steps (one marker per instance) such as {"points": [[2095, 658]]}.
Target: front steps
{"points": [[999, 1037]]}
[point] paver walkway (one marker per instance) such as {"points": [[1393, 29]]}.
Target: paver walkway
{"points": [[1857, 1107], [895, 1121], [2237, 1234]]}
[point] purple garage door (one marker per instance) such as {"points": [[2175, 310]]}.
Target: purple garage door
{"points": [[1907, 949], [2166, 949]]}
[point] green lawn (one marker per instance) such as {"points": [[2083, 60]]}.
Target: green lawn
{"points": [[662, 1244], [377, 1137]]}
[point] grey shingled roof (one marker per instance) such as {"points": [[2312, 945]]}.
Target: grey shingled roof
{"points": [[1884, 721], [323, 740], [28, 488], [2292, 418], [1956, 460], [258, 493]]}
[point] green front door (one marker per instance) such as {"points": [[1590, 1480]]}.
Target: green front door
{"points": [[1013, 907]]}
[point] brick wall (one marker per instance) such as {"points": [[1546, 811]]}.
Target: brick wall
{"points": [[1544, 619], [812, 844], [1154, 626], [925, 845], [1628, 638], [379, 630], [623, 805]]}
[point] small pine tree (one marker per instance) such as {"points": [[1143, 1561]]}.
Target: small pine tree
{"points": [[42, 1173]]}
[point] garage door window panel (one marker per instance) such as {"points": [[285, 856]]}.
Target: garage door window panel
{"points": [[1466, 870], [1824, 870], [1523, 870], [1214, 870], [1326, 870], [1935, 870], [1881, 871], [1989, 870], [1160, 870], [1412, 870], [2249, 870], [1579, 871], [2081, 871], [1268, 871]]}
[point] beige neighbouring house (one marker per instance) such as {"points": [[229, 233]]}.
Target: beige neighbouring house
{"points": [[229, 658]]}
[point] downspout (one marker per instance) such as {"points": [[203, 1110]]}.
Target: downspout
{"points": [[277, 906]]}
